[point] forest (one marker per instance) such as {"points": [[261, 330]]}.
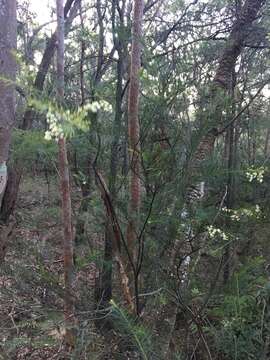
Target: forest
{"points": [[135, 179]]}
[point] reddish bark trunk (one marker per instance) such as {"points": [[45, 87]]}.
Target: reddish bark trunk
{"points": [[133, 123]]}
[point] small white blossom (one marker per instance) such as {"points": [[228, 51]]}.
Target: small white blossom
{"points": [[257, 209], [235, 217], [214, 232], [255, 174], [48, 136]]}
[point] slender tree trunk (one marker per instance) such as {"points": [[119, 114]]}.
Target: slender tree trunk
{"points": [[101, 41], [230, 199], [8, 40], [266, 144], [106, 280], [105, 291], [267, 138], [83, 48], [230, 196], [85, 188], [65, 189], [134, 127]]}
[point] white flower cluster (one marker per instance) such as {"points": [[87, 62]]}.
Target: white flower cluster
{"points": [[71, 120], [257, 209], [55, 129], [95, 106], [255, 174], [236, 215], [227, 323], [213, 232], [256, 212]]}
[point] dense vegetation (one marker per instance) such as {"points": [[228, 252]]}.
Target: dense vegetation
{"points": [[134, 223]]}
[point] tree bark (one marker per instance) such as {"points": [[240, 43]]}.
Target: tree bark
{"points": [[8, 41], [230, 164], [8, 34], [65, 190], [82, 58], [134, 126]]}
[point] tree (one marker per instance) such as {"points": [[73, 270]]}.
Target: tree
{"points": [[65, 188], [192, 204], [134, 127], [8, 39], [120, 46], [210, 127], [222, 82]]}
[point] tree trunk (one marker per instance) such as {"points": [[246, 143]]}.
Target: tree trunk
{"points": [[105, 291], [65, 190], [8, 41], [8, 34], [82, 58], [230, 159], [134, 127]]}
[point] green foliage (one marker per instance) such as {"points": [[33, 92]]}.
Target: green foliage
{"points": [[83, 261], [63, 122], [244, 314], [178, 106], [30, 148], [132, 329]]}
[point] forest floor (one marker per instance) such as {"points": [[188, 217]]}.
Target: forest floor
{"points": [[32, 276]]}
